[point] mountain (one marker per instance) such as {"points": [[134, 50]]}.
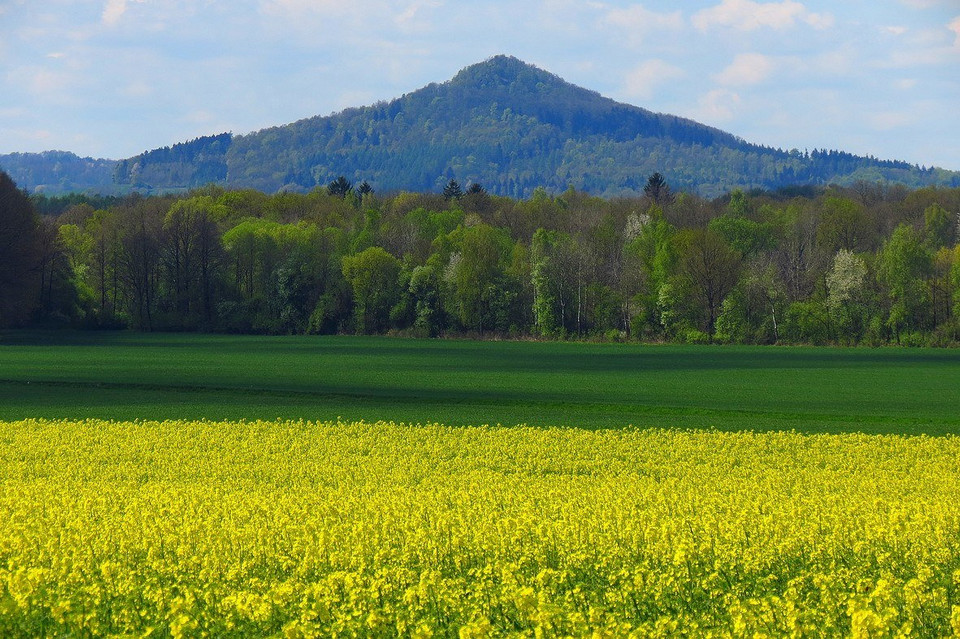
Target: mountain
{"points": [[60, 172], [509, 126]]}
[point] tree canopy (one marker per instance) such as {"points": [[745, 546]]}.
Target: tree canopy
{"points": [[859, 265]]}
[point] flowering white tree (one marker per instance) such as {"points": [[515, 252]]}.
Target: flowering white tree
{"points": [[844, 288], [845, 280]]}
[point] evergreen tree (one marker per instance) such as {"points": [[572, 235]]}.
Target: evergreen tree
{"points": [[340, 187], [452, 190], [658, 190]]}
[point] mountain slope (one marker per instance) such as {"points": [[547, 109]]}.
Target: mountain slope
{"points": [[511, 127], [59, 172], [514, 127], [505, 124]]}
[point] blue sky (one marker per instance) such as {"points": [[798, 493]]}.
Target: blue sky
{"points": [[111, 78]]}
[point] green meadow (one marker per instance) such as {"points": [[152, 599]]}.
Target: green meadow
{"points": [[126, 376]]}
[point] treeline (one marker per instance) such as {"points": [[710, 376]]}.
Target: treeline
{"points": [[871, 264]]}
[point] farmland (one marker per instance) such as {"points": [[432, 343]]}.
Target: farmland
{"points": [[182, 485], [356, 529], [181, 376]]}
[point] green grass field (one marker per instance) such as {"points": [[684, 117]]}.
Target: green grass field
{"points": [[157, 376]]}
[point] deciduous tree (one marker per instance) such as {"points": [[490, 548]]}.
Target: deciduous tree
{"points": [[20, 254]]}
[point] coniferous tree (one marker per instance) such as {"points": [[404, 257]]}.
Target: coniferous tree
{"points": [[658, 190], [340, 187], [452, 190]]}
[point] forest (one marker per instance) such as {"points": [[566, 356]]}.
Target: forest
{"points": [[871, 264], [503, 123]]}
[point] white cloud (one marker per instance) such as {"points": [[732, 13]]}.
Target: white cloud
{"points": [[746, 15], [415, 17], [718, 105], [365, 22], [923, 4], [114, 11], [411, 11], [746, 69], [286, 7], [905, 84], [643, 80], [638, 21], [894, 30], [955, 27]]}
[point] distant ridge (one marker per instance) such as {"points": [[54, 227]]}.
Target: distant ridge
{"points": [[59, 172], [505, 124]]}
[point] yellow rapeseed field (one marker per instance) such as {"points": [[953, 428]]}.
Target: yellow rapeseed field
{"points": [[358, 529]]}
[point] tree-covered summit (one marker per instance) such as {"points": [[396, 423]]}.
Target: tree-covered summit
{"points": [[509, 126]]}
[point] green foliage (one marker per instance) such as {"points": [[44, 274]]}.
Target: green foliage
{"points": [[751, 268], [658, 190], [709, 269], [745, 236], [732, 326], [844, 224], [482, 293], [21, 255], [425, 288], [903, 265], [340, 187], [373, 276], [452, 190], [940, 227], [194, 163], [807, 323]]}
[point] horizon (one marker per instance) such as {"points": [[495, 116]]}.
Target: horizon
{"points": [[116, 78]]}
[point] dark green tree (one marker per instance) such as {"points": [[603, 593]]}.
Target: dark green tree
{"points": [[658, 190], [710, 268], [340, 187], [452, 190], [20, 254]]}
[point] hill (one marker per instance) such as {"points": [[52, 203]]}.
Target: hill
{"points": [[60, 172], [511, 127]]}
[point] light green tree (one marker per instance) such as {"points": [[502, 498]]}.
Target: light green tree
{"points": [[903, 265], [373, 275]]}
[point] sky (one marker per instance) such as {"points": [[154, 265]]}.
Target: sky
{"points": [[113, 78]]}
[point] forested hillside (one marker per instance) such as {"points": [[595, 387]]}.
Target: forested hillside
{"points": [[60, 172], [869, 264], [505, 124]]}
